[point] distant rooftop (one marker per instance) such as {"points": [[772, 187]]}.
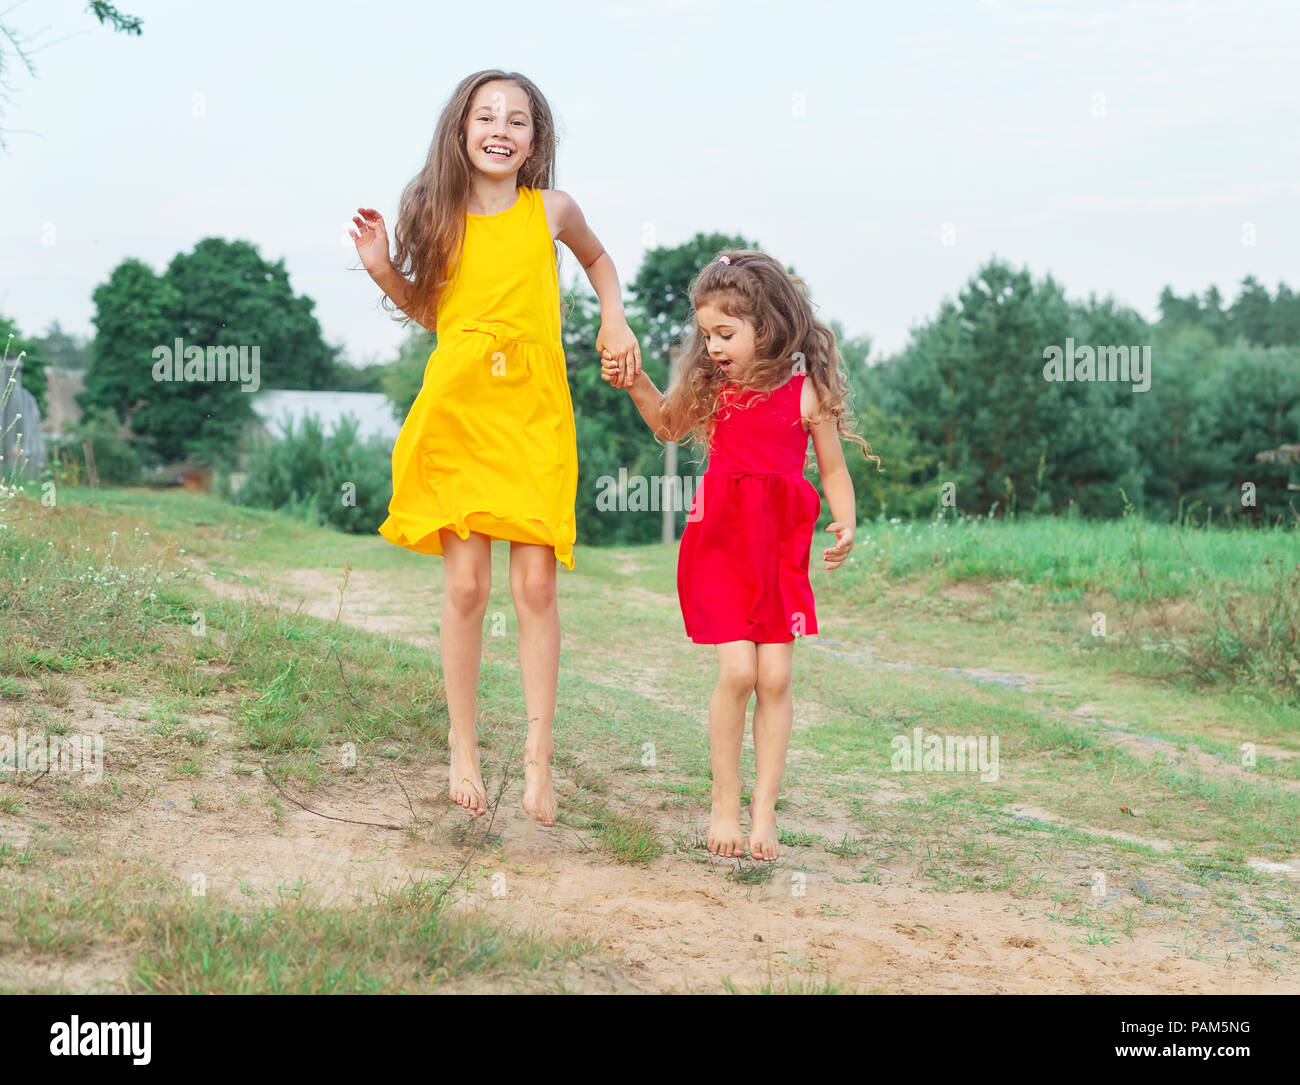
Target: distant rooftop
{"points": [[372, 410]]}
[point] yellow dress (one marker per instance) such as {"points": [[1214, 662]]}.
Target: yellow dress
{"points": [[489, 444]]}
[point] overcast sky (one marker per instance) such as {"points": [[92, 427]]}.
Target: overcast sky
{"points": [[1119, 146]]}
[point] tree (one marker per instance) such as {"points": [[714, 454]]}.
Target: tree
{"points": [[1250, 403], [24, 48], [350, 378], [1213, 317], [1170, 439], [222, 296], [230, 295], [107, 13], [63, 351], [1250, 315], [1253, 316], [1179, 311], [135, 312], [855, 351], [1284, 319], [117, 460], [972, 384], [610, 433], [32, 376]]}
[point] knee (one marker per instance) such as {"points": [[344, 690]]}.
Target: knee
{"points": [[773, 681], [534, 590], [738, 678], [467, 594]]}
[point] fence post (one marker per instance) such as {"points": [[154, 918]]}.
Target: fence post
{"points": [[92, 476]]}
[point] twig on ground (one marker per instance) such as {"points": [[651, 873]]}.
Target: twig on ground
{"points": [[414, 816], [493, 805], [351, 821], [38, 778]]}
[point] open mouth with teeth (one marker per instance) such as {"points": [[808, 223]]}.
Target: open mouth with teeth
{"points": [[498, 150]]}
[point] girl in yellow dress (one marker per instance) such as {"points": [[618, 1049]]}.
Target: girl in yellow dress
{"points": [[488, 450]]}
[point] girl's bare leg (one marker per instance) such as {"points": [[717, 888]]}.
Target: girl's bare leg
{"points": [[532, 583], [467, 578], [737, 672], [773, 719]]}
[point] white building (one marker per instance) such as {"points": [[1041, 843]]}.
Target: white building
{"points": [[372, 410]]}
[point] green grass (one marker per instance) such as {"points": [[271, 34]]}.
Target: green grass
{"points": [[626, 838], [1193, 656], [86, 595], [1071, 557], [176, 942]]}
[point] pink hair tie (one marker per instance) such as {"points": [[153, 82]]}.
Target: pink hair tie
{"points": [[724, 259]]}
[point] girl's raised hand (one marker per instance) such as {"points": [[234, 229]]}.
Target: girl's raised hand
{"points": [[370, 237], [617, 341], [834, 555]]}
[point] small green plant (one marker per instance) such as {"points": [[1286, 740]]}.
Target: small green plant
{"points": [[335, 478]]}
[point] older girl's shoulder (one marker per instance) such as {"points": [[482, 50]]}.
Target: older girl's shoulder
{"points": [[560, 208]]}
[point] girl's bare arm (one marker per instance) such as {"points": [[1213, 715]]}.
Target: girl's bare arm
{"points": [[570, 226], [371, 239], [399, 290], [837, 486], [650, 403]]}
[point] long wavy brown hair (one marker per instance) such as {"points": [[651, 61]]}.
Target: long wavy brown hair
{"points": [[430, 229], [788, 339]]}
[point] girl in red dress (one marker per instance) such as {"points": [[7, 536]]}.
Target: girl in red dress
{"points": [[757, 376]]}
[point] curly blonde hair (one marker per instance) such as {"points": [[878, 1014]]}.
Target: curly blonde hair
{"points": [[788, 339]]}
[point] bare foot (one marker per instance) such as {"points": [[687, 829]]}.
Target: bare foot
{"points": [[725, 836], [465, 781], [539, 791], [763, 837]]}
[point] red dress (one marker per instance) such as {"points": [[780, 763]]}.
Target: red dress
{"points": [[742, 568]]}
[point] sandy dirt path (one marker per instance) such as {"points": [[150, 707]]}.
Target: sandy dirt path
{"points": [[679, 925]]}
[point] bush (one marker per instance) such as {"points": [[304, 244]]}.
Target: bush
{"points": [[1252, 639], [336, 479], [117, 461]]}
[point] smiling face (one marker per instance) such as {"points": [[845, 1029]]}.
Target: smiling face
{"points": [[728, 339], [499, 129]]}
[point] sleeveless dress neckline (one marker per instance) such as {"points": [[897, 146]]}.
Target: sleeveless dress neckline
{"points": [[503, 211], [729, 383]]}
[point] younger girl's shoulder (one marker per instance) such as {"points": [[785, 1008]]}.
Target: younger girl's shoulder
{"points": [[810, 401]]}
